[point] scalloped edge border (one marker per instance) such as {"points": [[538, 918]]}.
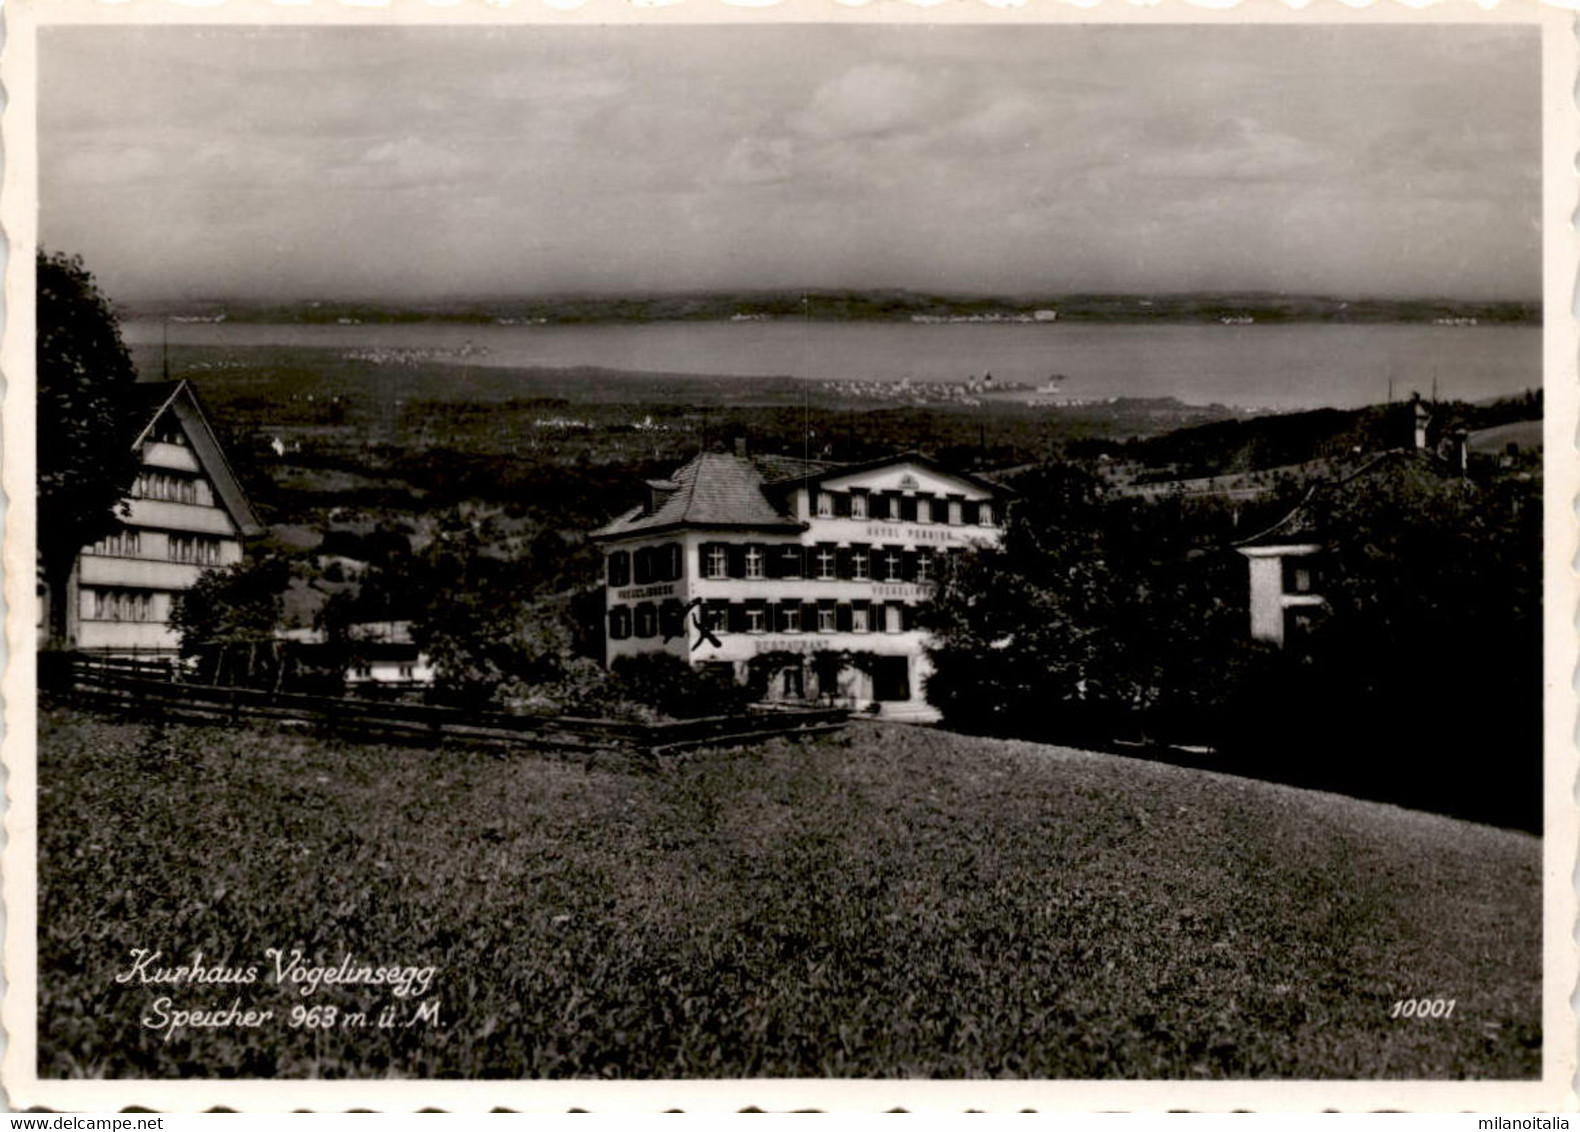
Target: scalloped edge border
{"points": [[1556, 1091]]}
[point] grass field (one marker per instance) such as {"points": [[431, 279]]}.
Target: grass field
{"points": [[889, 902]]}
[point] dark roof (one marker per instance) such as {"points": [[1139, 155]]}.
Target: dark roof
{"points": [[713, 490], [151, 399], [720, 490], [782, 469]]}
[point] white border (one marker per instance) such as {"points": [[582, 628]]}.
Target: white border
{"points": [[1554, 1092]]}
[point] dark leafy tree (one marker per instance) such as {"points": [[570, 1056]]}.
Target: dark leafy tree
{"points": [[228, 622], [85, 460], [1098, 617]]}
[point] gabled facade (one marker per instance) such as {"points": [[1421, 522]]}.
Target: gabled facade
{"points": [[188, 514], [734, 558]]}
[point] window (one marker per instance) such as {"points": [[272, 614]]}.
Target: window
{"points": [[955, 510], [756, 619], [858, 505], [754, 562], [825, 619], [194, 549], [858, 619], [620, 568], [985, 513], [793, 685], [716, 562], [671, 620], [789, 561], [407, 671], [924, 566], [789, 618], [825, 505], [122, 544], [121, 605], [860, 563], [825, 562], [893, 564], [716, 616], [619, 623], [894, 618], [162, 486], [646, 620], [924, 509]]}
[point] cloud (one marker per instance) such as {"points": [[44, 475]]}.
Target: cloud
{"points": [[757, 161], [110, 164], [868, 99], [402, 163]]}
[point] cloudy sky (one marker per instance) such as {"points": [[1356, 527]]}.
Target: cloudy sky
{"points": [[187, 162]]}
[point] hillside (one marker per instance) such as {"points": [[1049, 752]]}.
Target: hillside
{"points": [[891, 902]]}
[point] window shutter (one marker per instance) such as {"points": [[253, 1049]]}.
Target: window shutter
{"points": [[908, 509], [737, 558], [809, 617], [842, 562], [910, 566], [878, 506], [968, 513], [670, 622], [675, 571], [841, 505], [842, 617], [794, 559], [735, 618]]}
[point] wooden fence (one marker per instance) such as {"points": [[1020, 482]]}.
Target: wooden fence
{"points": [[155, 692]]}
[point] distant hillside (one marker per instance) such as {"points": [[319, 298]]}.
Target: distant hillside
{"points": [[844, 305], [1258, 443]]}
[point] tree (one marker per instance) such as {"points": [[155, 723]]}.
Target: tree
{"points": [[228, 622], [86, 464], [1098, 616]]}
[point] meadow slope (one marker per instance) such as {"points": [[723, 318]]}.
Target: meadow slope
{"points": [[893, 901]]}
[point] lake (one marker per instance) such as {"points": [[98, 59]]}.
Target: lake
{"points": [[1287, 366]]}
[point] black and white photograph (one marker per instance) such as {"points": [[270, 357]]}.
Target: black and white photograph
{"points": [[1008, 553]]}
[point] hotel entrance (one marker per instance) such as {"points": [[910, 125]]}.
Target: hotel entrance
{"points": [[891, 678]]}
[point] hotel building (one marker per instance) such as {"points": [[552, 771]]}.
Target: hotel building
{"points": [[737, 557]]}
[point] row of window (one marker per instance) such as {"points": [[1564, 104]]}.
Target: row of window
{"points": [[647, 620], [645, 565], [170, 488], [118, 605], [195, 549], [858, 562], [198, 549], [896, 507]]}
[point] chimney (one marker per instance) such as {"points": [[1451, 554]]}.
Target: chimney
{"points": [[740, 447]]}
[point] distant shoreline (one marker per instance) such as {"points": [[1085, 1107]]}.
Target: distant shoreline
{"points": [[819, 307]]}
